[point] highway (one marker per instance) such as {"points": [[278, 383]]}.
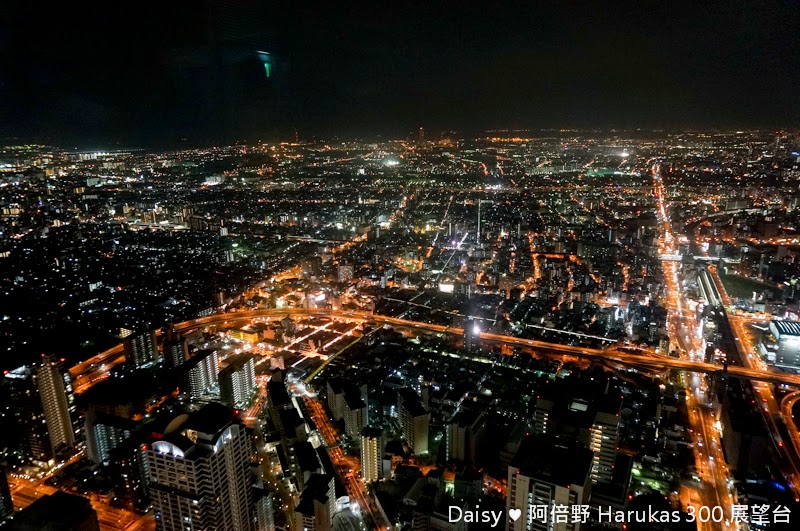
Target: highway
{"points": [[91, 371], [770, 409], [787, 408], [681, 328], [86, 373]]}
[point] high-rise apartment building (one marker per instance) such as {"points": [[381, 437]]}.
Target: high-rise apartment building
{"points": [[464, 436], [129, 475], [356, 415], [199, 375], [371, 454], [589, 418], [55, 403], [314, 511], [43, 413], [472, 334], [548, 472], [176, 351], [105, 432], [345, 273], [237, 381], [414, 421], [141, 349], [28, 415], [200, 475]]}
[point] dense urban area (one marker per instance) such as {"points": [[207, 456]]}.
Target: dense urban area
{"points": [[533, 330]]}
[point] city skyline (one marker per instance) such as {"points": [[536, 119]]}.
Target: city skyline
{"points": [[602, 323]]}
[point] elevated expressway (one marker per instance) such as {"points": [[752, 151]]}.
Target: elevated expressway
{"points": [[87, 373]]}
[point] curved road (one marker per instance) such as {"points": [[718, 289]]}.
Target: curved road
{"points": [[87, 373], [787, 407]]}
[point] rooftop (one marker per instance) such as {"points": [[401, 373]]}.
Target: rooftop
{"points": [[55, 512], [316, 489], [554, 461], [787, 328]]}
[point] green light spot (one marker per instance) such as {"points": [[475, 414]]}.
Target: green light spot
{"points": [[268, 69]]}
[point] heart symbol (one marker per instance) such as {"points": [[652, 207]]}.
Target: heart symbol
{"points": [[514, 514]]}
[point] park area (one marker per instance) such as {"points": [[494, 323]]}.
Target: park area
{"points": [[739, 287]]}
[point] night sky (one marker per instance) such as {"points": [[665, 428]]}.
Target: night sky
{"points": [[170, 72]]}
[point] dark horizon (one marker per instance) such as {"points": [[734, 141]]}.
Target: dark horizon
{"points": [[217, 72]]}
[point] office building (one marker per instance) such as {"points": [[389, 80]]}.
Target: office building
{"points": [[141, 350], [200, 474], [56, 512], [545, 472], [237, 381], [372, 444]]}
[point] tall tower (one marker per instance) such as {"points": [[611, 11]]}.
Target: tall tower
{"points": [[55, 403], [200, 474]]}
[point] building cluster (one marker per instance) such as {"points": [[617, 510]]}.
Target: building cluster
{"points": [[253, 387]]}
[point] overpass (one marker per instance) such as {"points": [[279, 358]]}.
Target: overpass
{"points": [[313, 239], [87, 373]]}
